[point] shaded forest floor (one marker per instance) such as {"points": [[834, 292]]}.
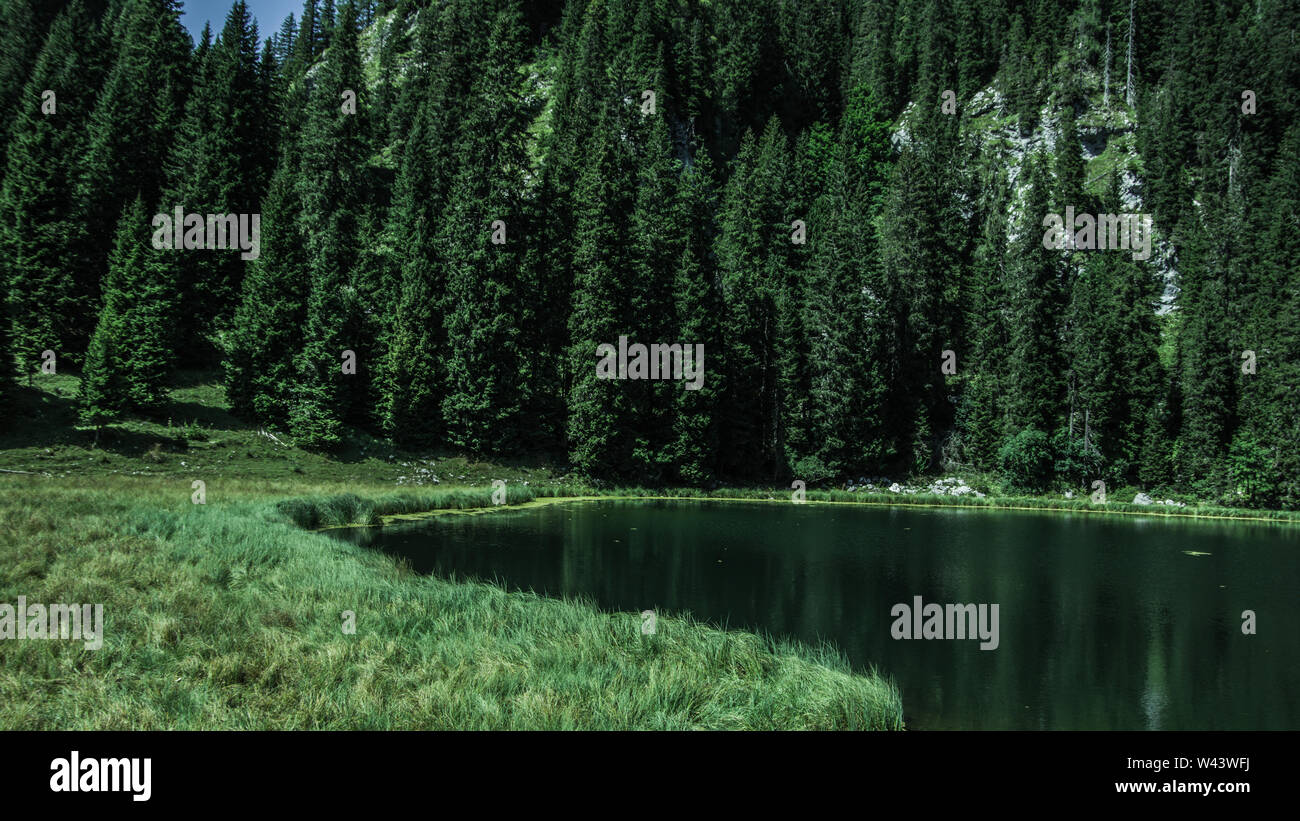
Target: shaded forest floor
{"points": [[194, 436]]}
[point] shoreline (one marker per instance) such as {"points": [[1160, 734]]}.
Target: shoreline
{"points": [[927, 501]]}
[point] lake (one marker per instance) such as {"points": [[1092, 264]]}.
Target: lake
{"points": [[1103, 622]]}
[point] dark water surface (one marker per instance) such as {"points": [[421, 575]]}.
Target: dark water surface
{"points": [[1104, 623]]}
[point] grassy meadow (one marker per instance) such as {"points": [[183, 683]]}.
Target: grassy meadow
{"points": [[230, 614]]}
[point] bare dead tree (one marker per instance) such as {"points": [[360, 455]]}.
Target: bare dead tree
{"points": [[1105, 93], [1128, 85]]}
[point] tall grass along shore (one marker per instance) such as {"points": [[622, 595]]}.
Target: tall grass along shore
{"points": [[229, 615]]}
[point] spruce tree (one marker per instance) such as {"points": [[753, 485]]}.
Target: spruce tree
{"points": [[130, 356], [1036, 297], [410, 385], [1208, 362], [752, 240], [698, 306], [923, 255], [579, 101], [809, 167], [41, 235], [130, 132], [982, 408], [747, 69], [219, 166], [283, 41], [1272, 398], [598, 432], [331, 185], [811, 37], [484, 390], [846, 351], [266, 332], [845, 313], [21, 37], [1095, 384], [659, 236], [307, 42]]}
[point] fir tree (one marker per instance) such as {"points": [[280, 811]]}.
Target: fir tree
{"points": [[753, 234], [331, 184], [846, 351], [483, 398], [922, 253], [130, 356], [130, 132], [659, 237], [265, 334], [41, 236], [218, 166], [598, 432], [1037, 298], [697, 305]]}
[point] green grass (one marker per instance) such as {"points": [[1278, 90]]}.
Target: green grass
{"points": [[230, 616]]}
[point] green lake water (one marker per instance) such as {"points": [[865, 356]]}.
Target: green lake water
{"points": [[1103, 622]]}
